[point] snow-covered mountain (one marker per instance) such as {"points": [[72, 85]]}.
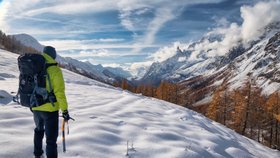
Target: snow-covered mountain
{"points": [[106, 118], [197, 70], [29, 41], [168, 69], [83, 68], [119, 71]]}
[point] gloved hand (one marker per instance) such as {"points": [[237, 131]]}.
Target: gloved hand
{"points": [[66, 115]]}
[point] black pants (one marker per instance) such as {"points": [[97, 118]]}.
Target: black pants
{"points": [[45, 122]]}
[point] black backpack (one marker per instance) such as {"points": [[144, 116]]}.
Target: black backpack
{"points": [[32, 90]]}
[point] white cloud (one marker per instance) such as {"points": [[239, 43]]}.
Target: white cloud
{"points": [[11, 9], [88, 53], [111, 39], [100, 52], [19, 6], [69, 30], [164, 11], [162, 16], [63, 45], [255, 19], [166, 52], [31, 10], [131, 13], [138, 69], [126, 21], [231, 39], [221, 22], [72, 8], [4, 7], [112, 65]]}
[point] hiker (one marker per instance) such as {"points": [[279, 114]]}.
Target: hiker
{"points": [[46, 116]]}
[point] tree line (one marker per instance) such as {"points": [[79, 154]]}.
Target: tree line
{"points": [[165, 91], [249, 112], [245, 110], [10, 43]]}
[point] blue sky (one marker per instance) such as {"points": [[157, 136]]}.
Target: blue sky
{"points": [[116, 32]]}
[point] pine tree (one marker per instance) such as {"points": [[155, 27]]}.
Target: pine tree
{"points": [[214, 107], [239, 109], [124, 84], [273, 106]]}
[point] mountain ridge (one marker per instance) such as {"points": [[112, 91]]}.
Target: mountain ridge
{"points": [[257, 56], [83, 68]]}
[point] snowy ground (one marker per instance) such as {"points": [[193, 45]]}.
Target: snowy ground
{"points": [[106, 118]]}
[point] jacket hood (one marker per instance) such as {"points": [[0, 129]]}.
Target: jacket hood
{"points": [[48, 58]]}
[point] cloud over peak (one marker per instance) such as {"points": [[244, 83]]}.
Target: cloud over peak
{"points": [[255, 19]]}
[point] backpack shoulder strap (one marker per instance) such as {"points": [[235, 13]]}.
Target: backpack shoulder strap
{"points": [[50, 64], [52, 97]]}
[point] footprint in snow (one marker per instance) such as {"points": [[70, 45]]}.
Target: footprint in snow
{"points": [[121, 123], [5, 75], [5, 97], [183, 118], [93, 117]]}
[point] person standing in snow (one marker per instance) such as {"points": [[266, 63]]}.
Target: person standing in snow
{"points": [[46, 116]]}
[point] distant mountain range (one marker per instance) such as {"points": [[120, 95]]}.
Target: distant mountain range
{"points": [[258, 61], [97, 72]]}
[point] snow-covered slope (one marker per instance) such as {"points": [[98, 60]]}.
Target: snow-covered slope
{"points": [[106, 118]]}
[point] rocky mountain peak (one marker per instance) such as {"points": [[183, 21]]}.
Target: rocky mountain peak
{"points": [[273, 45]]}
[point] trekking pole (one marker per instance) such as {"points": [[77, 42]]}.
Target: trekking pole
{"points": [[63, 136], [63, 133]]}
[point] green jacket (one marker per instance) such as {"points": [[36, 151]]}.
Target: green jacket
{"points": [[58, 86]]}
